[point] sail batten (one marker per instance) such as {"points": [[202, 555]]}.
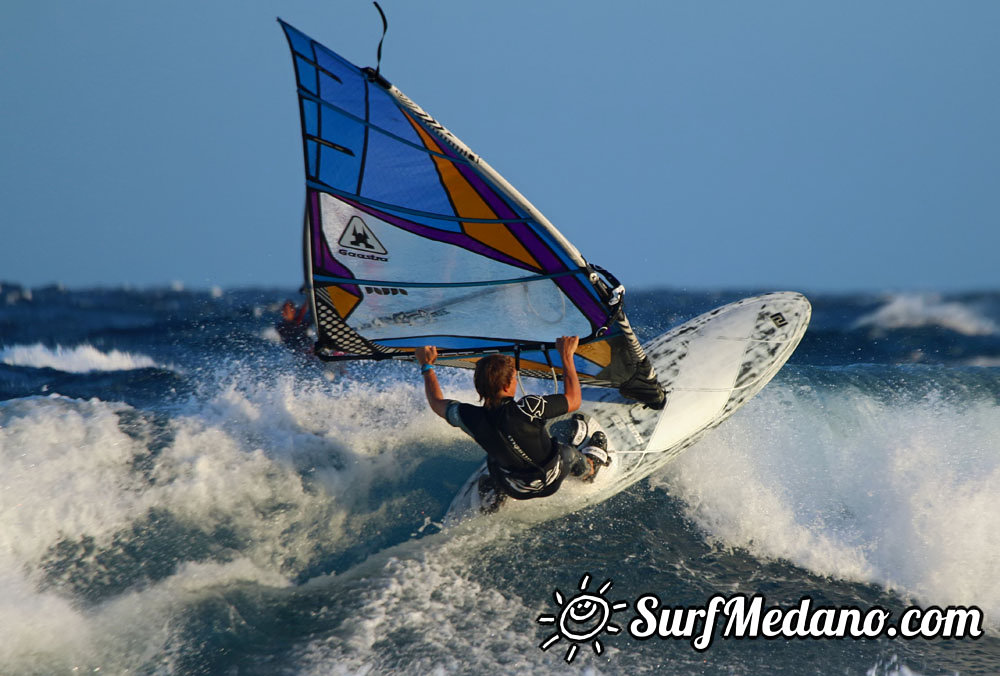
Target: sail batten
{"points": [[413, 239], [497, 282], [312, 97], [406, 211]]}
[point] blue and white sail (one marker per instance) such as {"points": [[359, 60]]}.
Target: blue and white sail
{"points": [[412, 239]]}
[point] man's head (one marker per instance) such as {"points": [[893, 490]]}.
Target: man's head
{"points": [[495, 376], [288, 311]]}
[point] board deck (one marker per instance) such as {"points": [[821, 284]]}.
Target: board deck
{"points": [[709, 367]]}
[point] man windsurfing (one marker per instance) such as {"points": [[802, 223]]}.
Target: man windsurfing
{"points": [[523, 460], [293, 329]]}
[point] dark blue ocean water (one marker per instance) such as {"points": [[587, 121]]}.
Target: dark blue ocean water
{"points": [[182, 495]]}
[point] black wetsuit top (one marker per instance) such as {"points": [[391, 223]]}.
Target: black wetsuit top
{"points": [[522, 458], [294, 334]]}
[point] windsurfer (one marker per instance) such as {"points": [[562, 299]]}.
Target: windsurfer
{"points": [[523, 460], [292, 329]]}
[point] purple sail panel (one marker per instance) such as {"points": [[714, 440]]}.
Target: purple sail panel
{"points": [[499, 206], [582, 297], [529, 236], [458, 239], [571, 285], [532, 241]]}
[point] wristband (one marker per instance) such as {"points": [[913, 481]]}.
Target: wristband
{"points": [[426, 368]]}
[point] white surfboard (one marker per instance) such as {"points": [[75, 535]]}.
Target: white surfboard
{"points": [[709, 367]]}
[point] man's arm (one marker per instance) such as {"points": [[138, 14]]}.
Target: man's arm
{"points": [[301, 314], [428, 355], [571, 381]]}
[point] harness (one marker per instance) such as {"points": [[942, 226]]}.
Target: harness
{"points": [[538, 482]]}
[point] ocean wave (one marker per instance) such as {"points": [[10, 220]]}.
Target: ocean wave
{"points": [[78, 359], [123, 532], [110, 511], [891, 489], [908, 311], [435, 596], [984, 362]]}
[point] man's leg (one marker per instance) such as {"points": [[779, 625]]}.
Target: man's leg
{"points": [[579, 465]]}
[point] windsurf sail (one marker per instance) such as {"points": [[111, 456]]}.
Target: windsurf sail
{"points": [[412, 239]]}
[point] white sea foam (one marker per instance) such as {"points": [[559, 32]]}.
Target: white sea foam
{"points": [[270, 334], [14, 295], [984, 362], [918, 310], [45, 633], [902, 494], [841, 483], [78, 359], [88, 475], [464, 625], [891, 667]]}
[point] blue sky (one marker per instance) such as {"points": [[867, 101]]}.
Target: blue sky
{"points": [[815, 146]]}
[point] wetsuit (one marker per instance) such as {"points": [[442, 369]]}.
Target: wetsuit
{"points": [[524, 461], [294, 334]]}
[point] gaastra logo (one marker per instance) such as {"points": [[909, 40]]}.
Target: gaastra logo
{"points": [[358, 236]]}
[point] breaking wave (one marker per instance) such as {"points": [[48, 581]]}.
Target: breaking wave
{"points": [[909, 311], [859, 483], [78, 359]]}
